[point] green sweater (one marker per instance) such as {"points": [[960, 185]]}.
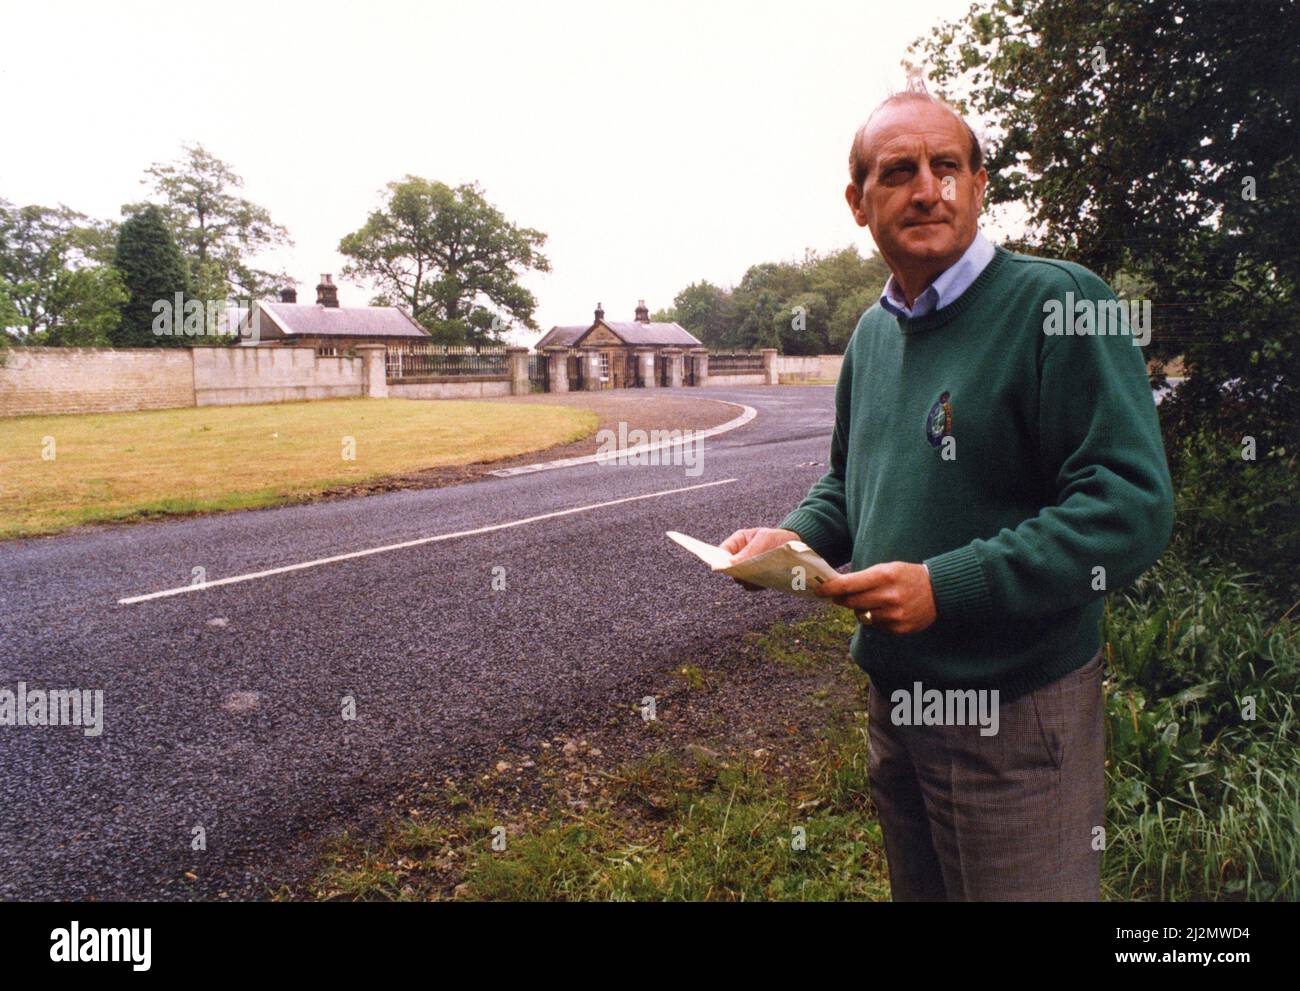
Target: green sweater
{"points": [[1014, 463]]}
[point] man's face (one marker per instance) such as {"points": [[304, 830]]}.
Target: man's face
{"points": [[920, 198]]}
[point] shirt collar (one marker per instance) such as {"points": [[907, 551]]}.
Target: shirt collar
{"points": [[950, 284]]}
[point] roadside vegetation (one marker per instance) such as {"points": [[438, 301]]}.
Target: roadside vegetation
{"points": [[61, 471], [789, 821], [1203, 803], [1203, 747]]}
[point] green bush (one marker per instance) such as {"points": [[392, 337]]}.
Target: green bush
{"points": [[1203, 752], [1238, 513]]}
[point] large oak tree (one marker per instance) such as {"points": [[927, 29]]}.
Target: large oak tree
{"points": [[449, 257]]}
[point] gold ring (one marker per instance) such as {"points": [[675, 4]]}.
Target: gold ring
{"points": [[864, 616]]}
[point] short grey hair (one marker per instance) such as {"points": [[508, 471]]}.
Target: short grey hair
{"points": [[915, 92]]}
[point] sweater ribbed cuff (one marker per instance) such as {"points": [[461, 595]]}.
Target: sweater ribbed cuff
{"points": [[957, 580], [812, 533]]}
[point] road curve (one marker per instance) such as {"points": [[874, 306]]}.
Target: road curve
{"points": [[223, 707]]}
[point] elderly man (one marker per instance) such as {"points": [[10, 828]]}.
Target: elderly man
{"points": [[991, 476]]}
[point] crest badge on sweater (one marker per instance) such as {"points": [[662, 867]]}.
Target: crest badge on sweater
{"points": [[938, 422]]}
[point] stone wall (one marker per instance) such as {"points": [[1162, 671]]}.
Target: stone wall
{"points": [[805, 368], [106, 380], [112, 380], [752, 378], [449, 388], [232, 376], [94, 380]]}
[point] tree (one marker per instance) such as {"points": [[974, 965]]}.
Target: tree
{"points": [[153, 270], [846, 272], [850, 285], [807, 307], [55, 274], [844, 321], [802, 324], [707, 312], [89, 302], [10, 318], [449, 257], [760, 302], [217, 230]]}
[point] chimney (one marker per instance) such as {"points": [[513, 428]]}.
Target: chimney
{"points": [[327, 294], [600, 313], [289, 295], [642, 314]]}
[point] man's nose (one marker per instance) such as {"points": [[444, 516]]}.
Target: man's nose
{"points": [[926, 188]]}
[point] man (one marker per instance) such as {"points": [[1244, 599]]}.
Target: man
{"points": [[991, 477]]}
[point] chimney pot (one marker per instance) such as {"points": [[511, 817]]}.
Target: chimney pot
{"points": [[600, 313], [642, 314], [327, 294], [289, 295]]}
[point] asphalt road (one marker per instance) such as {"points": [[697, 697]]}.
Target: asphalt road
{"points": [[223, 707]]}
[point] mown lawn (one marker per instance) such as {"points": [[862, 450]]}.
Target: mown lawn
{"points": [[60, 471]]}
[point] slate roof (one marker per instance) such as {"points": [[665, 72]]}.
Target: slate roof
{"points": [[630, 332], [311, 320], [653, 333], [562, 335]]}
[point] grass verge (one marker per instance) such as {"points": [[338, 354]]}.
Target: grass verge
{"points": [[61, 471], [685, 818]]}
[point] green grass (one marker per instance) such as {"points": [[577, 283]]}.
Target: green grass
{"points": [[744, 826], [803, 646], [1203, 801], [123, 466], [678, 830], [710, 833]]}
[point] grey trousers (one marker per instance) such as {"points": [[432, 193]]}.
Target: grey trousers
{"points": [[1010, 817]]}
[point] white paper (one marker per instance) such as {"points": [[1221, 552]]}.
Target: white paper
{"points": [[771, 569]]}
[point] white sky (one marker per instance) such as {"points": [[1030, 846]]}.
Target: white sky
{"points": [[656, 143]]}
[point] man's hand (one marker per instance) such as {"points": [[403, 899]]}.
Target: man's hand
{"points": [[898, 594], [747, 543]]}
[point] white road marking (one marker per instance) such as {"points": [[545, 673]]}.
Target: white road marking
{"points": [[587, 459], [201, 586]]}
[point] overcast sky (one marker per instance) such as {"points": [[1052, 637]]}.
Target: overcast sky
{"points": [[654, 143]]}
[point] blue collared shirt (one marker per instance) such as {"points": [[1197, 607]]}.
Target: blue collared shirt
{"points": [[950, 284]]}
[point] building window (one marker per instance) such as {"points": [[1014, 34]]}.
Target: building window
{"points": [[604, 366]]}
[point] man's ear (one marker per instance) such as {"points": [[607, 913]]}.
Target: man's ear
{"points": [[981, 180], [853, 195]]}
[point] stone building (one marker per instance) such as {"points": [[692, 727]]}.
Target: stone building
{"points": [[326, 326], [620, 353]]}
